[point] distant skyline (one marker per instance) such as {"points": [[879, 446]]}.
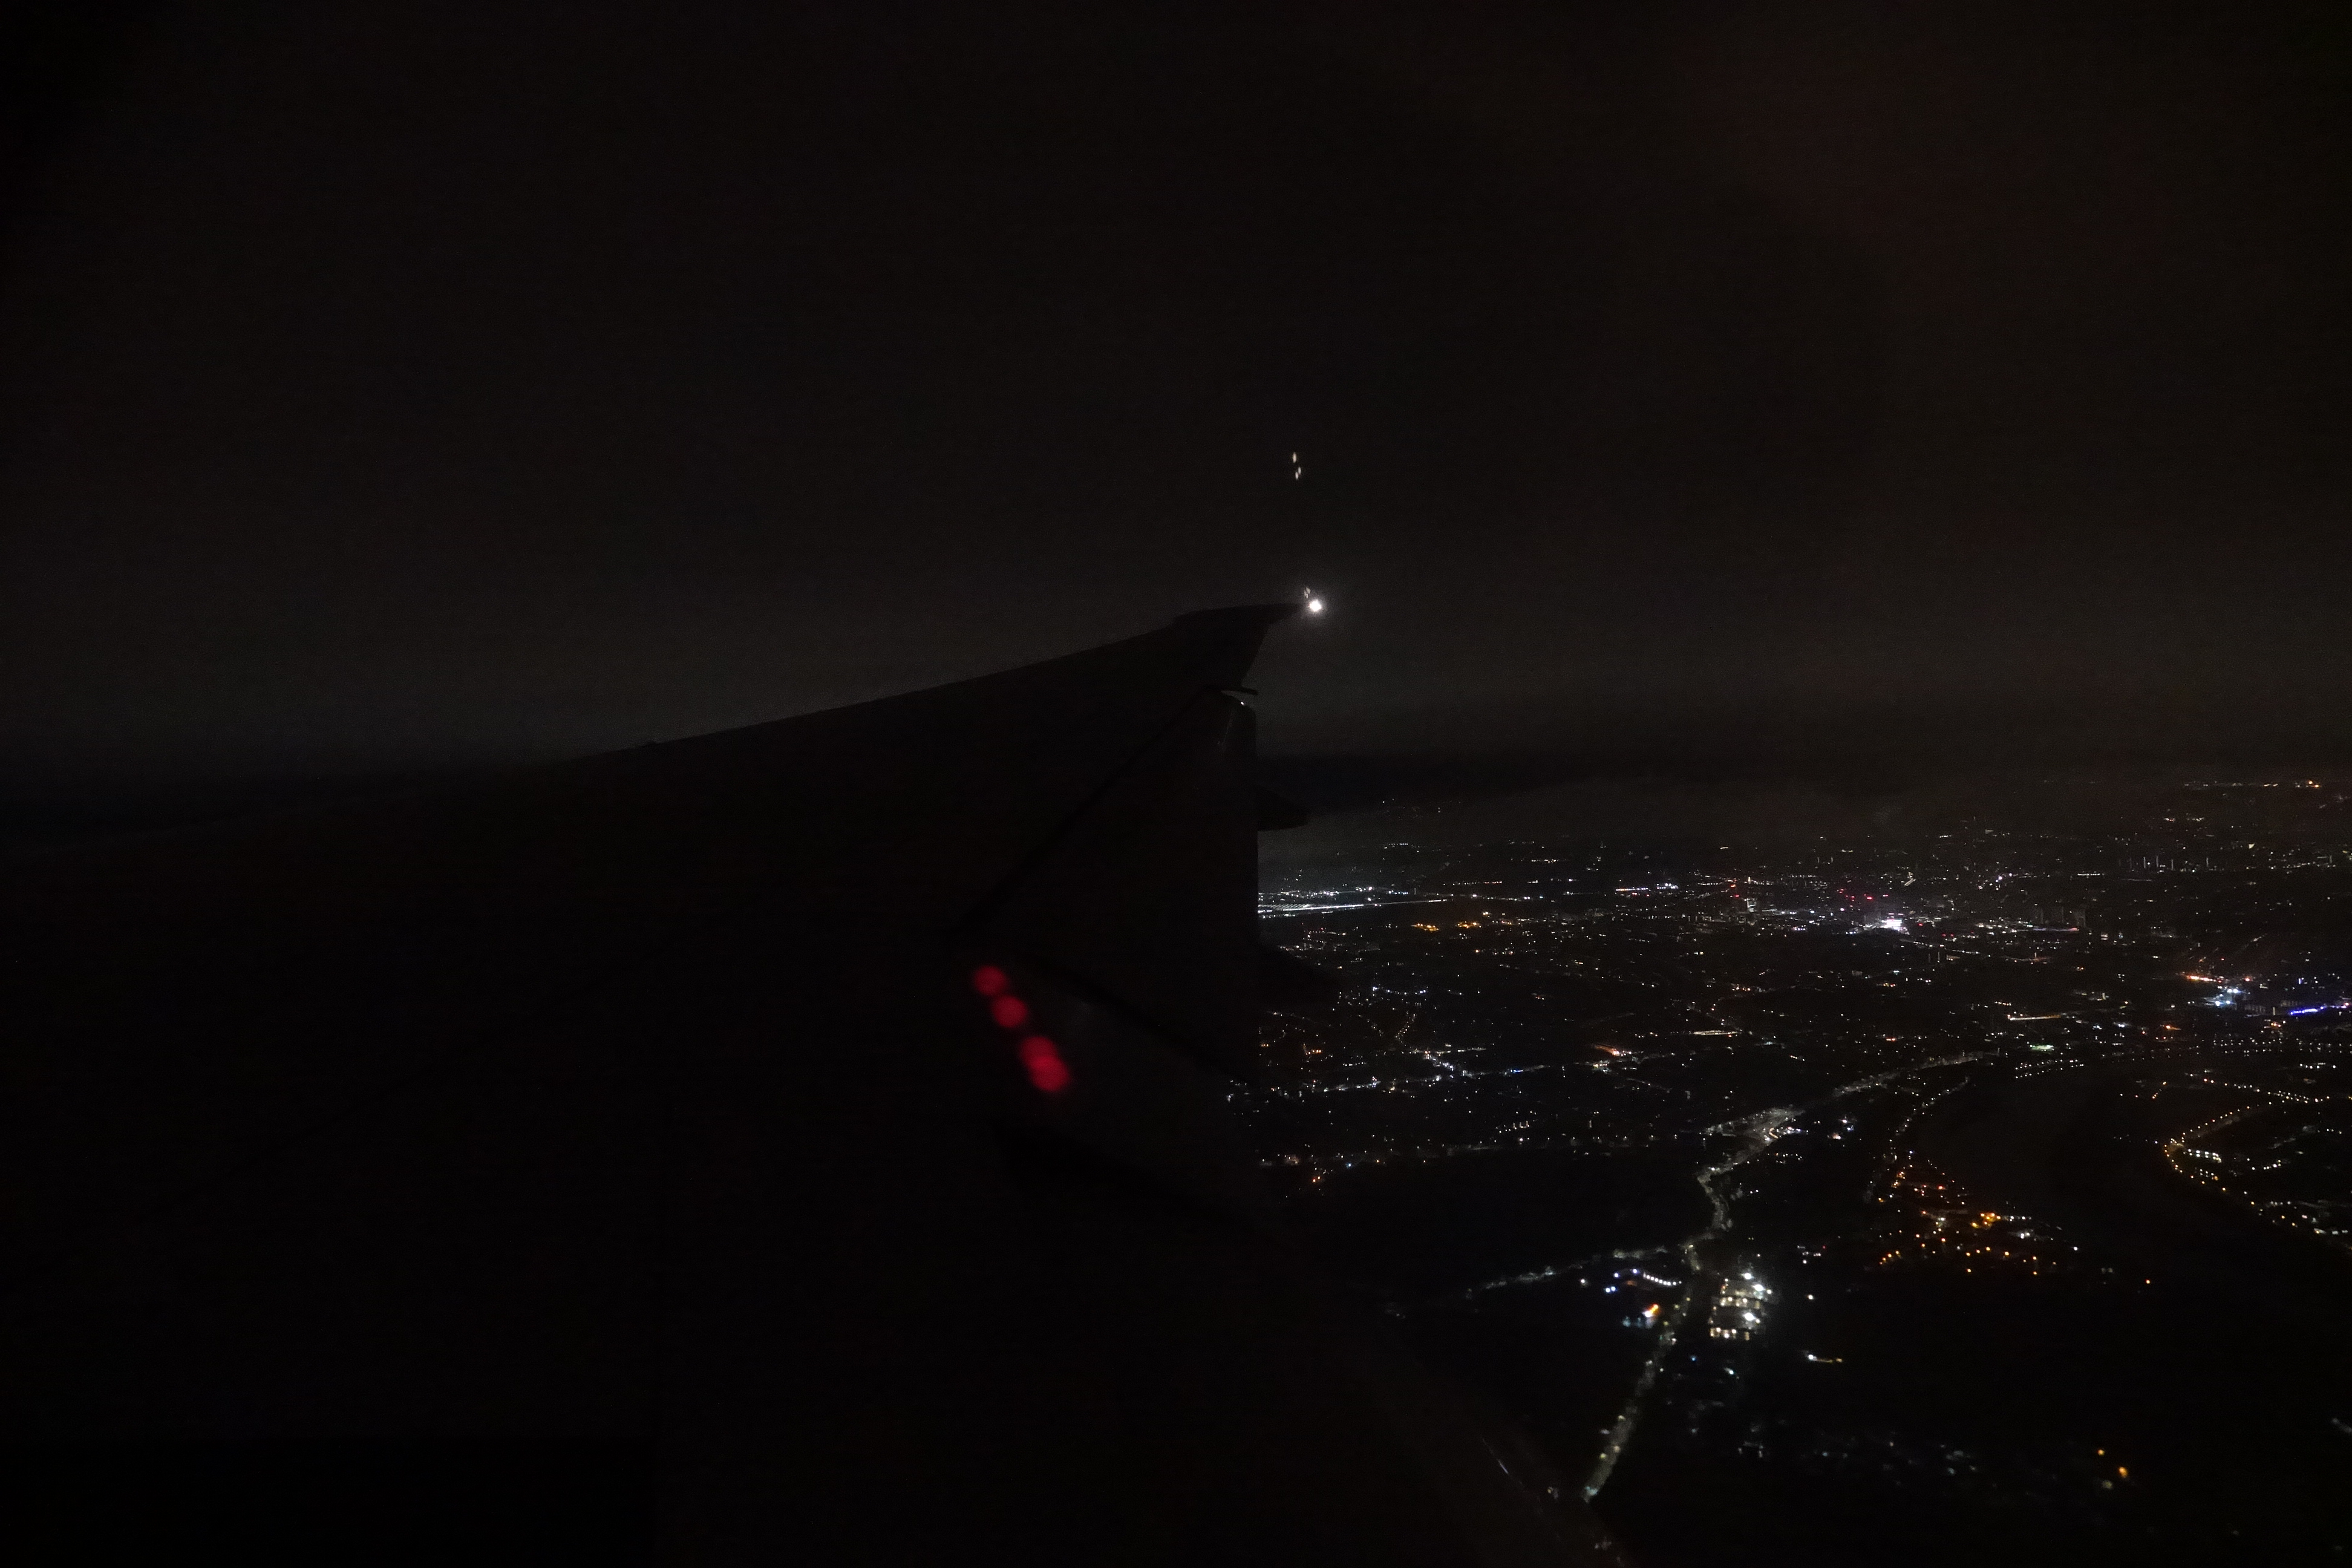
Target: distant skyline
{"points": [[397, 386]]}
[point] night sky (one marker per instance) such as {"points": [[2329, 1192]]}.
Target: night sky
{"points": [[396, 384]]}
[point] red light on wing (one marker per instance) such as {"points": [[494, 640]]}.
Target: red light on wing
{"points": [[1010, 1011], [1046, 1068], [991, 980]]}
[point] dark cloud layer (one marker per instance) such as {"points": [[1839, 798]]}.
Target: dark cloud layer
{"points": [[396, 383]]}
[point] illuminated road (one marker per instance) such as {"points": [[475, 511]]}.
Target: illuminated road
{"points": [[1756, 1134]]}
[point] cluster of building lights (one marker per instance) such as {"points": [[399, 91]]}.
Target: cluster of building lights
{"points": [[1944, 1229], [1739, 1309]]}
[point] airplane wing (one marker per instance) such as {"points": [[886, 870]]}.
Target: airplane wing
{"points": [[807, 1142]]}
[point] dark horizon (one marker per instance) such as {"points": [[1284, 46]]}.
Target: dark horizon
{"points": [[1728, 386]]}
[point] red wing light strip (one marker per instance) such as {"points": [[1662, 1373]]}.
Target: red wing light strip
{"points": [[1048, 1073]]}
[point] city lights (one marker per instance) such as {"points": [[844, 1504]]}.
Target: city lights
{"points": [[1840, 1097]]}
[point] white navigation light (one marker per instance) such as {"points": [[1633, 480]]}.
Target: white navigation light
{"points": [[1314, 603]]}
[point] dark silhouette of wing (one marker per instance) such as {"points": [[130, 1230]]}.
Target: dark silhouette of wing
{"points": [[807, 1142]]}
